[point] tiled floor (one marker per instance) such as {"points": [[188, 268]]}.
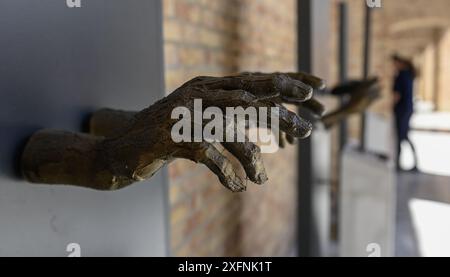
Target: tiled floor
{"points": [[413, 237], [423, 199]]}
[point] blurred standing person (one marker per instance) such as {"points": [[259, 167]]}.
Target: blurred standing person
{"points": [[404, 106]]}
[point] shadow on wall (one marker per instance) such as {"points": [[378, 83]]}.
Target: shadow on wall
{"points": [[21, 117]]}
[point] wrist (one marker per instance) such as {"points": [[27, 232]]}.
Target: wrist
{"points": [[58, 157]]}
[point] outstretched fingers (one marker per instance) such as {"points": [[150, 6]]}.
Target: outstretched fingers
{"points": [[207, 154], [315, 107], [249, 155], [289, 122], [308, 83], [292, 124], [311, 80], [264, 86]]}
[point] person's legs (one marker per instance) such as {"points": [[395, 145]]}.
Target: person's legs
{"points": [[398, 144], [413, 148]]}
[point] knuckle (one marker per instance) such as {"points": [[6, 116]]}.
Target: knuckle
{"points": [[246, 96], [253, 148]]}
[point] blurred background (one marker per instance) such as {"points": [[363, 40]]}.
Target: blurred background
{"points": [[338, 193]]}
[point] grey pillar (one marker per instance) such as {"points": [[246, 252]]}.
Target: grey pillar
{"points": [[366, 66], [343, 62], [313, 36]]}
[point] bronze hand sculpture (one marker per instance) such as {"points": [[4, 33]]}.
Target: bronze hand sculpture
{"points": [[126, 147], [361, 94], [107, 122]]}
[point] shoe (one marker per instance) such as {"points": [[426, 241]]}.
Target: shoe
{"points": [[414, 170]]}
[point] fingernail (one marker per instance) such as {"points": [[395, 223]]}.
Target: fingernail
{"points": [[236, 186], [261, 178], [304, 133], [303, 130], [303, 92]]}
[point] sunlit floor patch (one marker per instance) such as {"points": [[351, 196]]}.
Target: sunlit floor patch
{"points": [[433, 150], [432, 121], [432, 227]]}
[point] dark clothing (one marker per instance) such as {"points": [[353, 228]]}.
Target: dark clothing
{"points": [[402, 130], [403, 110], [402, 120], [404, 85]]}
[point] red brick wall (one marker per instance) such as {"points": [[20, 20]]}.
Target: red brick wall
{"points": [[217, 37]]}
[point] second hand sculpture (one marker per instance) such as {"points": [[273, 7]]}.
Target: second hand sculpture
{"points": [[126, 147], [360, 94]]}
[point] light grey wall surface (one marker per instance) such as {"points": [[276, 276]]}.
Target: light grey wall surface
{"points": [[58, 64]]}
